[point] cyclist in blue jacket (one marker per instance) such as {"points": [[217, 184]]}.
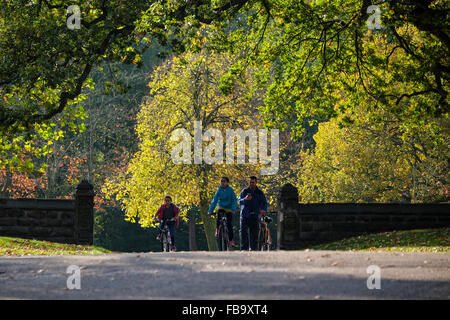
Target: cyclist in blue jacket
{"points": [[253, 206], [225, 200]]}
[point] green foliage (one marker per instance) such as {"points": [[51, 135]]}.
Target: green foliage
{"points": [[45, 67], [45, 64], [364, 162], [316, 57], [99, 151], [319, 58], [183, 90], [114, 233], [68, 105]]}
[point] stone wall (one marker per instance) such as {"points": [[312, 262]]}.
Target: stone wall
{"points": [[301, 225], [57, 220]]}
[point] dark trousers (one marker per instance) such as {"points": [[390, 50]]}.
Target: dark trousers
{"points": [[249, 232], [171, 226], [229, 222]]}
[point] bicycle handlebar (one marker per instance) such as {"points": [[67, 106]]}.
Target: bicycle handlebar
{"points": [[167, 220], [217, 212], [266, 219]]}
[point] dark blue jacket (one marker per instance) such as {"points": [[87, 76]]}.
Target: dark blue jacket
{"points": [[252, 208]]}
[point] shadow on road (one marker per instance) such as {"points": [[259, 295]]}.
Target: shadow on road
{"points": [[212, 276]]}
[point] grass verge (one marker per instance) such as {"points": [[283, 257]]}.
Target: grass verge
{"points": [[27, 247], [423, 240]]}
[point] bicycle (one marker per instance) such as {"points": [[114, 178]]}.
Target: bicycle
{"points": [[264, 237], [165, 238], [223, 231]]}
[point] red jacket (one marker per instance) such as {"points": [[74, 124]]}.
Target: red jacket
{"points": [[160, 212]]}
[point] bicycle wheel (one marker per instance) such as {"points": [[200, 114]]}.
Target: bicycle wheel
{"points": [[225, 238], [164, 242], [261, 239], [268, 240], [169, 241], [223, 241]]}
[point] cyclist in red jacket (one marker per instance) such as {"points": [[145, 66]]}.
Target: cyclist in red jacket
{"points": [[166, 212]]}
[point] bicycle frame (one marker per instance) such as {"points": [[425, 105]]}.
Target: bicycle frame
{"points": [[166, 240], [223, 232], [266, 242]]}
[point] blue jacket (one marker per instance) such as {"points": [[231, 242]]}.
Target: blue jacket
{"points": [[225, 198], [251, 208]]}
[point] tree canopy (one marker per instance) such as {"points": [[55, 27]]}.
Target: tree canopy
{"points": [[185, 90], [316, 49], [367, 162], [364, 107]]}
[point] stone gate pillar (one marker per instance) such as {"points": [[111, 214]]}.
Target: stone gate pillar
{"points": [[288, 224], [84, 213]]}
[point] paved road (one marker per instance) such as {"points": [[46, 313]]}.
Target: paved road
{"points": [[230, 275]]}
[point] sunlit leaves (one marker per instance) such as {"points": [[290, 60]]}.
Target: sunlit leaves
{"points": [[368, 161], [183, 89]]}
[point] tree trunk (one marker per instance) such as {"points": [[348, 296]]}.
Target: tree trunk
{"points": [[4, 192], [90, 175], [192, 238], [208, 222]]}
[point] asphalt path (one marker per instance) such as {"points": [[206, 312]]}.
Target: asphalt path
{"points": [[229, 275]]}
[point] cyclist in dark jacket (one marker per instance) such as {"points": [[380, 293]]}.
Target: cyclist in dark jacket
{"points": [[253, 205]]}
